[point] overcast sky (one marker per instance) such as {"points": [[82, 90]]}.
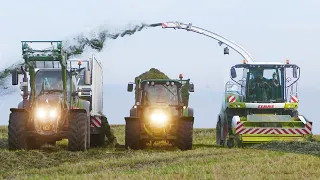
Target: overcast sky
{"points": [[270, 30]]}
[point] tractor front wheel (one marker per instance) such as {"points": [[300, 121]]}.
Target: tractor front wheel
{"points": [[78, 131], [16, 131], [185, 135], [132, 134]]}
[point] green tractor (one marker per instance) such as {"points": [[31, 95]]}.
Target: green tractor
{"points": [[159, 114], [261, 105], [51, 110]]}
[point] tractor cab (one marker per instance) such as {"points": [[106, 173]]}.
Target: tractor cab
{"points": [[160, 92]]}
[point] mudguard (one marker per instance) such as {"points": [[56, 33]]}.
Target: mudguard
{"points": [[132, 118], [18, 110], [189, 118]]}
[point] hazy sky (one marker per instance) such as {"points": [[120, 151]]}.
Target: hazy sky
{"points": [[269, 30]]}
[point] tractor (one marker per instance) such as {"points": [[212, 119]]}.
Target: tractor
{"points": [[159, 114], [51, 110], [261, 105]]}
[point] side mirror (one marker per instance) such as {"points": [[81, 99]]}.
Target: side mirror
{"points": [[87, 77], [15, 77], [191, 87], [233, 72], [130, 87], [294, 72]]}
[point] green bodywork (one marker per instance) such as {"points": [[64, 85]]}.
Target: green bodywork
{"points": [[253, 116], [165, 132], [56, 53]]}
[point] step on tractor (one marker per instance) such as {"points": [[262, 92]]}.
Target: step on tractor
{"points": [[52, 110], [159, 114], [261, 105]]}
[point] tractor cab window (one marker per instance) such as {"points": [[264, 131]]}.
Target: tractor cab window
{"points": [[161, 94], [264, 85], [49, 80]]}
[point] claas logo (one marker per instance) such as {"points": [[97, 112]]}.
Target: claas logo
{"points": [[265, 106]]}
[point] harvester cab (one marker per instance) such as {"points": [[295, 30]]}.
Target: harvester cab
{"points": [[160, 114], [51, 110], [261, 105]]}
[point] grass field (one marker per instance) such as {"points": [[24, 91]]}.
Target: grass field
{"points": [[205, 161]]}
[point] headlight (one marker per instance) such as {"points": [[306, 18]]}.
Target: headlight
{"points": [[159, 118], [41, 113], [53, 113]]}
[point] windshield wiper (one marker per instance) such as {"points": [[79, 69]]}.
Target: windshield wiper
{"points": [[168, 89]]}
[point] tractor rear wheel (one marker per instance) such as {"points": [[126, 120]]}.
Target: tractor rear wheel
{"points": [[77, 131], [185, 135], [132, 134], [16, 131]]}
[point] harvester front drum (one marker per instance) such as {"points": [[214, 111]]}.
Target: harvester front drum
{"points": [[77, 131], [185, 134], [132, 134]]}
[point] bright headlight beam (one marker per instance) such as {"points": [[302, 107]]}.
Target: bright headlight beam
{"points": [[53, 113], [158, 117], [41, 113]]}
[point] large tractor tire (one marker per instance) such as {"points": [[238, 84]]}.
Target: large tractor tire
{"points": [[78, 131], [184, 135], [16, 131], [132, 134]]}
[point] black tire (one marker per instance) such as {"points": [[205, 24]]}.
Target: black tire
{"points": [[132, 134], [16, 131], [230, 143], [184, 135], [77, 131], [97, 140], [218, 134]]}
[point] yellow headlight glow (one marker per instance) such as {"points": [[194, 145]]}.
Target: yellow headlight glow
{"points": [[41, 113], [53, 113], [159, 117]]}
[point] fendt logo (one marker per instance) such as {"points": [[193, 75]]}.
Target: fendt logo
{"points": [[265, 106]]}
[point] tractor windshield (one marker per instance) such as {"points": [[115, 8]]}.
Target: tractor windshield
{"points": [[265, 84], [49, 80], [161, 94]]}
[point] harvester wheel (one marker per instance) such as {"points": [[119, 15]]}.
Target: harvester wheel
{"points": [[238, 142], [16, 131], [185, 135], [132, 139], [230, 143], [218, 134], [77, 132]]}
